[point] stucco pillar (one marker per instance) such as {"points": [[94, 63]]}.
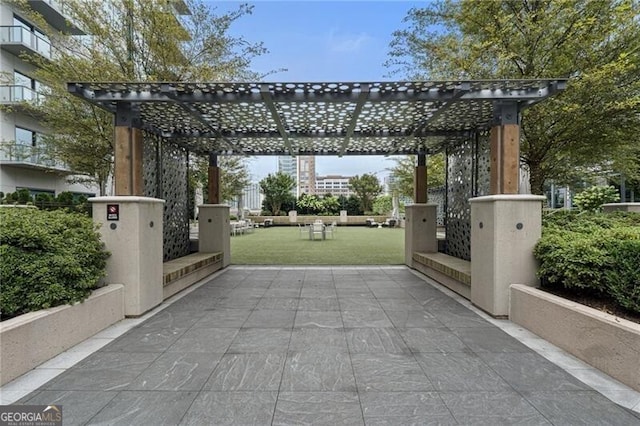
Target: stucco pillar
{"points": [[420, 180], [504, 231], [214, 234], [214, 180], [131, 228], [420, 230]]}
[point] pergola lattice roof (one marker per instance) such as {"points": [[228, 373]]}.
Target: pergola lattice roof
{"points": [[315, 118]]}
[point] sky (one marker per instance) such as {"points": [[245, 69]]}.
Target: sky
{"points": [[320, 41]]}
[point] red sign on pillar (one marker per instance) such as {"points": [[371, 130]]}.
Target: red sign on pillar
{"points": [[113, 211]]}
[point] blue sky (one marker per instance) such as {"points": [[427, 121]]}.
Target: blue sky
{"points": [[345, 41]]}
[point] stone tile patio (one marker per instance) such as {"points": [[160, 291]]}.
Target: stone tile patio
{"points": [[375, 346]]}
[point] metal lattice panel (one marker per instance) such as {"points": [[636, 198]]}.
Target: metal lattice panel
{"points": [[165, 176], [438, 196], [315, 118]]}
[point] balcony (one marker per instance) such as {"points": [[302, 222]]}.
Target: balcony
{"points": [[20, 97], [29, 157], [18, 40], [56, 13]]}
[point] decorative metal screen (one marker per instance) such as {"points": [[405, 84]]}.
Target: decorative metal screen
{"points": [[439, 197], [467, 177], [165, 176]]}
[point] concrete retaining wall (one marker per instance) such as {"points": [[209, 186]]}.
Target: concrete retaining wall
{"points": [[351, 220], [33, 338], [606, 342]]}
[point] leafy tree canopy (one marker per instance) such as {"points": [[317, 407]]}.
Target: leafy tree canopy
{"points": [[367, 187], [405, 169], [277, 189], [129, 40], [593, 124]]}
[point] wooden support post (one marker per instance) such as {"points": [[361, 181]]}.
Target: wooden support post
{"points": [[214, 180], [505, 154], [128, 161], [420, 180]]}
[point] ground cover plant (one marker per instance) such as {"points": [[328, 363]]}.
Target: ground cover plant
{"points": [[592, 254], [286, 245], [49, 258]]}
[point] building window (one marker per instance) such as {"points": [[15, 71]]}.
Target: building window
{"points": [[26, 137]]}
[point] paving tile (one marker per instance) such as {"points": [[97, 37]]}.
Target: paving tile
{"points": [[460, 371], [404, 408], [318, 408], [245, 293], [352, 284], [432, 340], [264, 318], [312, 292], [171, 320], [207, 340], [489, 339], [375, 340], [237, 303], [278, 303], [492, 408], [321, 319], [359, 303], [261, 340], [144, 340], [247, 372], [390, 293], [400, 304], [319, 304], [389, 372], [354, 292], [231, 408], [177, 371], [579, 408], [222, 318], [530, 371], [78, 406], [311, 371], [145, 408], [458, 317], [365, 318], [413, 319], [318, 340], [282, 292]]}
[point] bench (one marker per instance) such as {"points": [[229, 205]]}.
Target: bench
{"points": [[449, 271], [185, 271]]}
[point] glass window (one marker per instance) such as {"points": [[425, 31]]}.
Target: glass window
{"points": [[25, 137]]}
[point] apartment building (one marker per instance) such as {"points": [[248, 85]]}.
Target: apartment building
{"points": [[303, 169], [333, 184], [24, 160]]}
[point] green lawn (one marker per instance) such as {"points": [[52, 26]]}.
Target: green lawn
{"points": [[350, 246]]}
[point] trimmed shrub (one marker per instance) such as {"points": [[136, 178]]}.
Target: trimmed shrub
{"points": [[49, 258], [594, 252], [592, 199]]}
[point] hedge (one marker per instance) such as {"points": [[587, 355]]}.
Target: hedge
{"points": [[48, 258], [596, 253]]}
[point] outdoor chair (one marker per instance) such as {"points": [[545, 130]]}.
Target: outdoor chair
{"points": [[329, 230], [304, 230], [317, 229]]}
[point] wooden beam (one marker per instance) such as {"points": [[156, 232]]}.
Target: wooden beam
{"points": [[214, 185], [505, 159], [420, 184], [128, 161]]}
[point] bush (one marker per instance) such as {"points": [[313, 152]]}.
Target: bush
{"points": [[49, 258], [594, 252], [592, 199]]}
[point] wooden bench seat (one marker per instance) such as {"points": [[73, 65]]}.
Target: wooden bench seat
{"points": [[183, 272], [449, 271]]}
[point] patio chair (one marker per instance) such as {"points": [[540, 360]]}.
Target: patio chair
{"points": [[317, 229], [329, 230], [304, 230]]}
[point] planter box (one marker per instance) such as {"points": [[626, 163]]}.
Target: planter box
{"points": [[33, 338], [606, 342]]}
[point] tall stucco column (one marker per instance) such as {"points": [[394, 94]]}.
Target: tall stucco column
{"points": [[504, 231], [131, 229], [420, 230], [214, 234]]}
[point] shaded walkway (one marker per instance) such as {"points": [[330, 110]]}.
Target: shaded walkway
{"points": [[321, 346]]}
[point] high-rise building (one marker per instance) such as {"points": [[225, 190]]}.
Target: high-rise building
{"points": [[253, 197], [24, 159], [306, 174], [333, 184]]}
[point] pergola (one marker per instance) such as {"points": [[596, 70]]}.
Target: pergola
{"points": [[376, 118]]}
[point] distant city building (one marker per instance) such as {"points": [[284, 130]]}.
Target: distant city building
{"points": [[333, 184], [306, 174], [253, 197]]}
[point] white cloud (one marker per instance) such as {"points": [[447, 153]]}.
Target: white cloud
{"points": [[346, 43]]}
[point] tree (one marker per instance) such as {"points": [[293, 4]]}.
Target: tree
{"points": [[352, 206], [331, 205], [129, 40], [367, 187], [383, 205], [277, 189], [404, 173], [591, 125], [309, 204]]}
